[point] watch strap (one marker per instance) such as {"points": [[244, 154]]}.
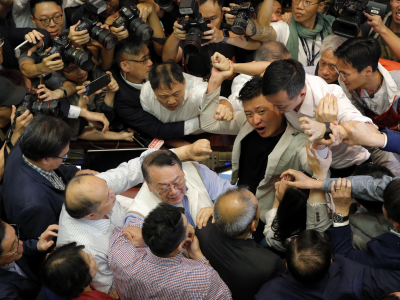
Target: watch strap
{"points": [[339, 218], [65, 95], [328, 131], [225, 32]]}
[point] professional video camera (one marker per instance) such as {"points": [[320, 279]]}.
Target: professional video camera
{"points": [[166, 5], [243, 13], [129, 18], [31, 103], [62, 44], [195, 26], [351, 16], [89, 21]]}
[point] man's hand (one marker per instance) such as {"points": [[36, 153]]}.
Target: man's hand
{"points": [[113, 86], [34, 37], [49, 65], [126, 135], [83, 99], [364, 134], [375, 21], [203, 215], [134, 235], [179, 33], [192, 245], [220, 62], [342, 196], [327, 109], [286, 17], [228, 17], [223, 113], [281, 187], [120, 32], [214, 35], [78, 37], [335, 138], [86, 171], [314, 129], [21, 123], [302, 181], [145, 10], [319, 166], [46, 238], [195, 151], [98, 119], [47, 95]]}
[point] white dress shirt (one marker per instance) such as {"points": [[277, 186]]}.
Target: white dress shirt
{"points": [[343, 155], [237, 84]]}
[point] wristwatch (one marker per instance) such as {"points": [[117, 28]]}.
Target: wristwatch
{"points": [[328, 131], [339, 218], [225, 32], [65, 95]]}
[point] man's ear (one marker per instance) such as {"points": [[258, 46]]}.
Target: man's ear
{"points": [[368, 71], [321, 5], [90, 217], [123, 66], [148, 185], [253, 226], [45, 161]]}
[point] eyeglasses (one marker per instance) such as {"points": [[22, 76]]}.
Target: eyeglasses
{"points": [[17, 233], [166, 191], [306, 3], [143, 61], [46, 22], [342, 75], [64, 158]]}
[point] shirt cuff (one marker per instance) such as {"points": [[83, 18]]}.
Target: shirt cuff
{"points": [[191, 125], [386, 139], [317, 204], [341, 224], [74, 112]]}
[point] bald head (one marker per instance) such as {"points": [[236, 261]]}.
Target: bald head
{"points": [[234, 212], [84, 194], [271, 51]]}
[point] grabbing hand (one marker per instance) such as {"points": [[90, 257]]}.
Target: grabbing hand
{"points": [[319, 166], [78, 37], [47, 95], [98, 119], [195, 151], [46, 238], [375, 21], [134, 234], [192, 245], [314, 129], [281, 187], [327, 109], [342, 196], [126, 135], [34, 37], [203, 215], [301, 180], [364, 134], [220, 62]]}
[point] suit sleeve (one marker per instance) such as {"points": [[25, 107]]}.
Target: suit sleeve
{"points": [[11, 293], [393, 141], [34, 220], [68, 171]]}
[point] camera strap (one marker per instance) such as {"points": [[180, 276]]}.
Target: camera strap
{"points": [[310, 56]]}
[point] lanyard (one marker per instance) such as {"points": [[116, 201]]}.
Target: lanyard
{"points": [[310, 56]]}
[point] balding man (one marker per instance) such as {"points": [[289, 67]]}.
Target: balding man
{"points": [[242, 263], [91, 212]]}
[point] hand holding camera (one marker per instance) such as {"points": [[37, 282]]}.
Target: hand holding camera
{"points": [[21, 122], [179, 32], [52, 63], [229, 18], [375, 21], [145, 10], [47, 95], [78, 37]]}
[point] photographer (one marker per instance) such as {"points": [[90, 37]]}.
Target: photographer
{"points": [[220, 39]]}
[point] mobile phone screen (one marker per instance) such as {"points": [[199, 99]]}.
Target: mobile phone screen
{"points": [[97, 84]]}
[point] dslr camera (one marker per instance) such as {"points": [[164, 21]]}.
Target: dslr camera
{"points": [[195, 26], [31, 103], [89, 21], [243, 13], [129, 18], [63, 45], [348, 22], [166, 5]]}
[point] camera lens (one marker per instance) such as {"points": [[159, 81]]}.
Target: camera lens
{"points": [[80, 58], [192, 44], [240, 24], [166, 5], [48, 108], [142, 30], [104, 37]]}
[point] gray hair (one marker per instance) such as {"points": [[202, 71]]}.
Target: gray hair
{"points": [[332, 42], [271, 51], [235, 224]]}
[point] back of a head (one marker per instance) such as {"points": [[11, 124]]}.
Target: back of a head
{"points": [[291, 216], [376, 171], [165, 75], [284, 75], [271, 51], [15, 76], [360, 53], [234, 210], [251, 89], [164, 229], [308, 257], [33, 4], [45, 137], [391, 200], [132, 45], [159, 159], [332, 42], [65, 272]]}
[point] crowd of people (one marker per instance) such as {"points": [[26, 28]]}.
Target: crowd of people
{"points": [[312, 209]]}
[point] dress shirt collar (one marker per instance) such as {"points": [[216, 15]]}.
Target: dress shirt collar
{"points": [[102, 225], [394, 231], [167, 262], [134, 85], [307, 107]]}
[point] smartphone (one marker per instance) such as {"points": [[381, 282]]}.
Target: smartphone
{"points": [[97, 84], [21, 48]]}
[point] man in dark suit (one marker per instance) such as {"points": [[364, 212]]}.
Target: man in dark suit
{"points": [[242, 264], [35, 178], [17, 281], [316, 275]]}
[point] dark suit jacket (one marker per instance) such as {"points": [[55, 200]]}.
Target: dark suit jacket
{"points": [[383, 251], [242, 264], [129, 111], [393, 141], [30, 200], [346, 280], [16, 287]]}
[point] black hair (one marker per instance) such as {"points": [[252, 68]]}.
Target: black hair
{"points": [[166, 74], [159, 159], [284, 75], [308, 257], [65, 272], [360, 53], [131, 45], [221, 3], [2, 234], [163, 229], [291, 216], [15, 76], [33, 3], [251, 89], [391, 200], [376, 171], [81, 206], [45, 137], [389, 296]]}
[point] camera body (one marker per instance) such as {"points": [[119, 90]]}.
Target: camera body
{"points": [[348, 22], [63, 45], [129, 18], [243, 13], [31, 103]]}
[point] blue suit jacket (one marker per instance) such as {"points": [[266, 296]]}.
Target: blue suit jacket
{"points": [[383, 251], [30, 200], [346, 280]]}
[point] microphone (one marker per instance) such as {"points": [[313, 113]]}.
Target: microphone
{"points": [[371, 95]]}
